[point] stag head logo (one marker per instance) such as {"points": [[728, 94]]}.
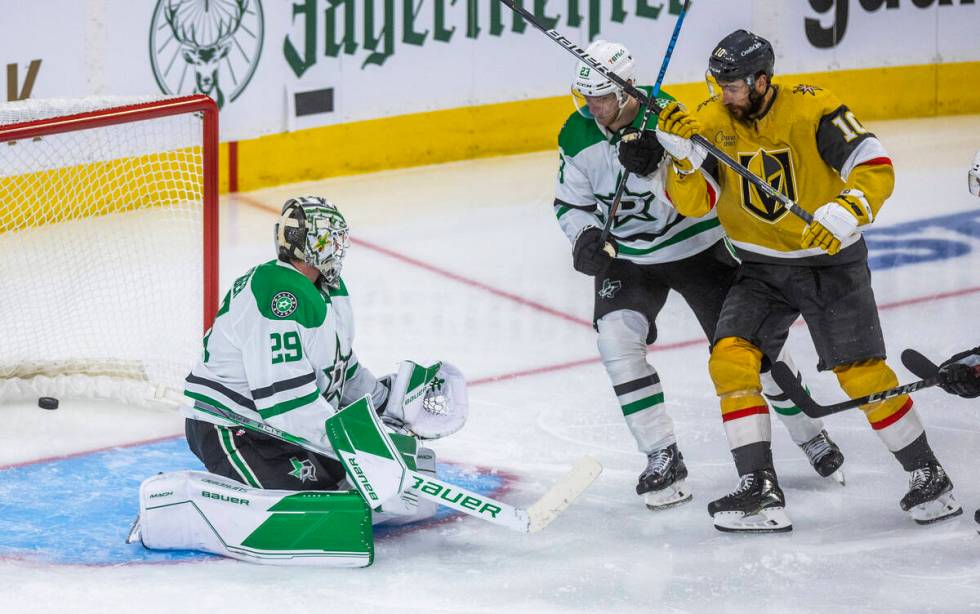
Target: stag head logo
{"points": [[207, 47]]}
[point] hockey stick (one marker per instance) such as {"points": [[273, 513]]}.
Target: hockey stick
{"points": [[722, 157], [526, 520], [794, 390], [648, 108]]}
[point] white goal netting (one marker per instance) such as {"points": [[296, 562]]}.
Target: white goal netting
{"points": [[101, 251]]}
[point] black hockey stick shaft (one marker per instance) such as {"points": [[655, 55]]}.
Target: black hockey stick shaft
{"points": [[722, 157], [647, 110], [792, 387]]}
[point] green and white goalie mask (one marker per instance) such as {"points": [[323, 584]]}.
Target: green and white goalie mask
{"points": [[590, 82], [313, 230], [428, 402]]}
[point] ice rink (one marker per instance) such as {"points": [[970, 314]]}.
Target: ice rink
{"points": [[465, 262]]}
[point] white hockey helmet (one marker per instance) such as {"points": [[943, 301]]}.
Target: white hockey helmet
{"points": [[312, 229], [590, 82]]}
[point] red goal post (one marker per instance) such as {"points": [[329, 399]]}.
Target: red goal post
{"points": [[108, 235]]}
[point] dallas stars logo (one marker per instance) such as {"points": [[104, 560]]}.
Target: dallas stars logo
{"points": [[609, 288], [304, 471], [337, 376], [284, 304], [633, 206]]}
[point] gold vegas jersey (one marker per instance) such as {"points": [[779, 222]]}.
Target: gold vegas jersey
{"points": [[810, 147]]}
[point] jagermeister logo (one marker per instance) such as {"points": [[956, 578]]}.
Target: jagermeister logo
{"points": [[284, 304], [776, 169], [207, 47]]}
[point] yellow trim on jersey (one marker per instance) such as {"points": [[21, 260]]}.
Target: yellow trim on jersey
{"points": [[533, 125]]}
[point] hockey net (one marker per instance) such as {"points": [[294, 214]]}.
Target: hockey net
{"points": [[108, 245]]}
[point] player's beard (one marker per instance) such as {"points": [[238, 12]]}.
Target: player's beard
{"points": [[749, 110]]}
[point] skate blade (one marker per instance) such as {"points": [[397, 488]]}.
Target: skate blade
{"points": [[945, 506], [769, 520], [673, 495], [134, 532]]}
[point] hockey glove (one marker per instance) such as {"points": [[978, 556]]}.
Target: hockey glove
{"points": [[960, 375], [640, 152], [674, 131], [427, 402], [836, 221], [589, 254], [973, 176]]}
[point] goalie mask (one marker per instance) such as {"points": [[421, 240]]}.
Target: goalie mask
{"points": [[590, 82], [312, 229]]}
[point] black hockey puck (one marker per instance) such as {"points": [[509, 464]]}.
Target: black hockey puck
{"points": [[47, 403]]}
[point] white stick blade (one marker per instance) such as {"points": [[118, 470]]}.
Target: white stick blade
{"points": [[563, 493]]}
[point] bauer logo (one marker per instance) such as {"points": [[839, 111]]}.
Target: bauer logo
{"points": [[207, 47], [284, 304]]}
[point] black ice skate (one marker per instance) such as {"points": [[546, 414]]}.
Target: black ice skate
{"points": [[662, 482], [756, 505], [930, 495], [825, 457]]}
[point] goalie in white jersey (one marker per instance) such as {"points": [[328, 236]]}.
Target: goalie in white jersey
{"points": [[279, 356], [656, 250]]}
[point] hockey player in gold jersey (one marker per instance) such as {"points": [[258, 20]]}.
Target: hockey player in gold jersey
{"points": [[802, 140]]}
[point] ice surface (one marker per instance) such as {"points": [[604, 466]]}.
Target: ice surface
{"points": [[465, 262]]}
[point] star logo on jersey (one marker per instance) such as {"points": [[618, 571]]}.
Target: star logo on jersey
{"points": [[632, 206], [805, 89], [336, 375], [284, 304], [304, 471], [609, 288], [775, 167]]}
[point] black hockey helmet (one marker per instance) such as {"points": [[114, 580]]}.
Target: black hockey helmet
{"points": [[741, 55]]}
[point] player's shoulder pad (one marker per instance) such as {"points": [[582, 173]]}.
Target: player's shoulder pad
{"points": [[578, 133], [283, 293]]}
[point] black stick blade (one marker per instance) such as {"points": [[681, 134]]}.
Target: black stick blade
{"points": [[918, 364]]}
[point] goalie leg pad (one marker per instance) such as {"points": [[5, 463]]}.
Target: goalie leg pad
{"points": [[408, 506], [194, 510]]}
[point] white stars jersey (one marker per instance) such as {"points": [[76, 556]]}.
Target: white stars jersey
{"points": [[647, 229], [280, 352]]}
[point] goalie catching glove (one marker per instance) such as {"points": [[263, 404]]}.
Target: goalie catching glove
{"points": [[837, 221], [427, 402]]}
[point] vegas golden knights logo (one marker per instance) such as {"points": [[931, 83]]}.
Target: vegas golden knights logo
{"points": [[776, 168]]}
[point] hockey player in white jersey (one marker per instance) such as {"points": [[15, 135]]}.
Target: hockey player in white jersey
{"points": [[280, 354], [656, 250]]}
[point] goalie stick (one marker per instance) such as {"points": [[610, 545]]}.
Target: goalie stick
{"points": [[722, 157], [614, 207], [526, 520]]}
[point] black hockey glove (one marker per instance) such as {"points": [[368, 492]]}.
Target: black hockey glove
{"points": [[960, 374], [640, 152], [588, 255]]}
